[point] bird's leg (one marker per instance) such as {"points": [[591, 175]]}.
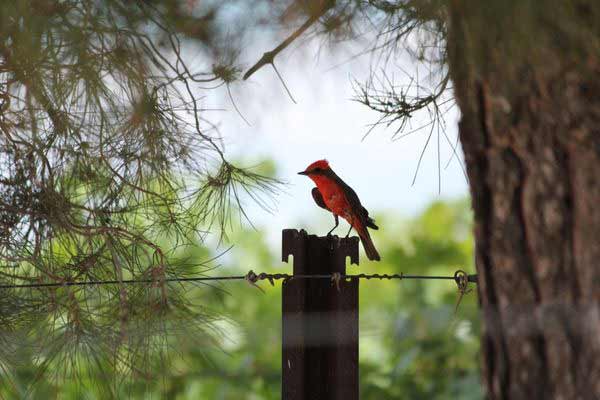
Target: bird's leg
{"points": [[349, 230], [337, 222]]}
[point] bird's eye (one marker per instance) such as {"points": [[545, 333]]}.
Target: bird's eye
{"points": [[317, 169]]}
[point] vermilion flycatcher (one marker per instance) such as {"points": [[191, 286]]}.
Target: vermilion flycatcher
{"points": [[333, 194]]}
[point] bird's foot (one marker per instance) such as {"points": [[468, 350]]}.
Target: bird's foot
{"points": [[336, 277]]}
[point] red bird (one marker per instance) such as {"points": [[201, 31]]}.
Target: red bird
{"points": [[334, 195]]}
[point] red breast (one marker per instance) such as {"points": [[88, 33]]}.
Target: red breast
{"points": [[333, 195]]}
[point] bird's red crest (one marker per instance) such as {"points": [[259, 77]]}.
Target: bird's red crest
{"points": [[322, 164]]}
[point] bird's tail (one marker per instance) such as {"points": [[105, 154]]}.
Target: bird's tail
{"points": [[370, 249]]}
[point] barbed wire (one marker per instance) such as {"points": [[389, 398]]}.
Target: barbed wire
{"points": [[461, 278]]}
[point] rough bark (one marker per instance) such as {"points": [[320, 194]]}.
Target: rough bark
{"points": [[530, 131]]}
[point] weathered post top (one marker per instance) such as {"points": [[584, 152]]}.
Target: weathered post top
{"points": [[304, 246]]}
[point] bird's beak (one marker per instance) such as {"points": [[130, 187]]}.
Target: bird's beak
{"points": [[303, 173]]}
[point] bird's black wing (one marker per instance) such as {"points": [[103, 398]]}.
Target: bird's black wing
{"points": [[354, 201], [316, 194]]}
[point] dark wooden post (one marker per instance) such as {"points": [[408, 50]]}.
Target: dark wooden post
{"points": [[320, 322]]}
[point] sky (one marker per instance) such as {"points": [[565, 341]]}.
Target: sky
{"points": [[326, 123]]}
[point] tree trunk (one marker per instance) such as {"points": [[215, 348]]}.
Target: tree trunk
{"points": [[526, 78]]}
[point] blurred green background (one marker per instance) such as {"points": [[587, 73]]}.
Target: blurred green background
{"points": [[412, 345]]}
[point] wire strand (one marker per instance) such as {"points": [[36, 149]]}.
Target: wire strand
{"points": [[460, 277]]}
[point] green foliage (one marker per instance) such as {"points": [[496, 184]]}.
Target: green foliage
{"points": [[412, 344], [108, 166]]}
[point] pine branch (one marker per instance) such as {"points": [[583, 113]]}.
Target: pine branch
{"points": [[269, 56]]}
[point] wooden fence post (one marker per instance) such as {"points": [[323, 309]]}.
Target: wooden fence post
{"points": [[319, 321]]}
